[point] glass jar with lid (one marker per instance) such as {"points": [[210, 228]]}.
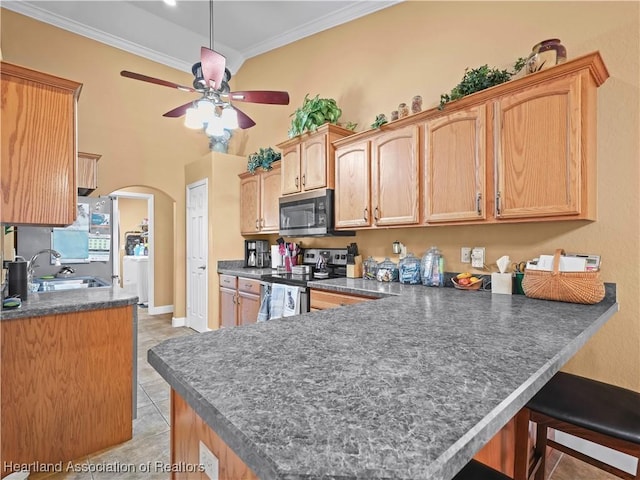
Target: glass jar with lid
{"points": [[409, 270], [432, 268], [369, 267], [387, 271]]}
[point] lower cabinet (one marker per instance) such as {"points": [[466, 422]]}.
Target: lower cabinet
{"points": [[57, 404], [239, 300], [323, 300]]}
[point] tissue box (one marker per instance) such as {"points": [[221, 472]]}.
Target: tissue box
{"points": [[355, 270], [501, 283]]}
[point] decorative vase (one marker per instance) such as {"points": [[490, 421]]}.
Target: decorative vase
{"points": [[546, 54], [403, 110], [416, 104], [394, 115]]}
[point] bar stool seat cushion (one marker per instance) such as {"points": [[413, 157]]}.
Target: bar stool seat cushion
{"points": [[592, 405], [475, 470]]}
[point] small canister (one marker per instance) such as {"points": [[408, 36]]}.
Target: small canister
{"points": [[387, 271], [18, 279], [370, 268]]}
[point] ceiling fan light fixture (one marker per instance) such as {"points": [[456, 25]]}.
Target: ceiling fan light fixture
{"points": [[192, 118], [215, 127], [206, 108], [229, 118]]}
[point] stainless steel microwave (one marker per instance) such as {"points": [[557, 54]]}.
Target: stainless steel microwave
{"points": [[309, 214]]}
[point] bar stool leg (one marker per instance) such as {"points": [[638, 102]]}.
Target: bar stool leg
{"points": [[541, 451], [521, 460]]}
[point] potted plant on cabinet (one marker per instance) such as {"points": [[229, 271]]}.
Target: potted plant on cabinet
{"points": [[263, 158], [313, 113]]}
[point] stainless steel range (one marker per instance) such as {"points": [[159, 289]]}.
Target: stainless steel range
{"points": [[321, 263]]}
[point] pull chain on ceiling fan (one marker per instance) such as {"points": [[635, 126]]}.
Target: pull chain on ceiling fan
{"points": [[213, 111]]}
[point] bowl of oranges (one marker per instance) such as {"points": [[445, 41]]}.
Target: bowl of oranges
{"points": [[466, 281]]}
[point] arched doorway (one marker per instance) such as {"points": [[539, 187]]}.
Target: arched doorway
{"points": [[151, 212]]}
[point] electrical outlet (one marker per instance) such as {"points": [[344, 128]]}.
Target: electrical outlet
{"points": [[209, 461], [465, 254], [477, 257]]}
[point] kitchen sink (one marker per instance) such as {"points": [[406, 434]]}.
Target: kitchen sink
{"points": [[70, 283]]}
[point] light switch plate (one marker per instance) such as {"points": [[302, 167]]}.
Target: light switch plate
{"points": [[465, 254], [477, 257]]}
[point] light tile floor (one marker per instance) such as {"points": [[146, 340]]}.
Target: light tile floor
{"points": [[150, 443]]}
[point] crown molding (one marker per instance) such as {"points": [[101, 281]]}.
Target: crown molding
{"points": [[235, 59]]}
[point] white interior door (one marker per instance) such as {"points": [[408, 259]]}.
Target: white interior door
{"points": [[197, 244]]}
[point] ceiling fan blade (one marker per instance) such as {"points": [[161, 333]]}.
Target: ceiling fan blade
{"points": [[213, 65], [157, 81], [178, 111], [244, 121], [261, 96]]}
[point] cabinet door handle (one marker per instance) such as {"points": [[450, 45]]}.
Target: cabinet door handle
{"points": [[366, 214], [375, 214], [478, 208], [297, 182], [304, 181], [498, 206], [257, 224]]}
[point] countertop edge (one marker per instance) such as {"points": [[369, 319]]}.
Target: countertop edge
{"points": [[70, 301]]}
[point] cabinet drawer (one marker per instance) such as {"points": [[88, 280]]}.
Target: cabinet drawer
{"points": [[228, 281], [322, 300], [248, 285]]}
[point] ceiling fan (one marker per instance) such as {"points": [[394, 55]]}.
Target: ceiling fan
{"points": [[214, 109]]}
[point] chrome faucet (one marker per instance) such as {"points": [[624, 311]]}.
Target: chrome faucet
{"points": [[31, 265]]}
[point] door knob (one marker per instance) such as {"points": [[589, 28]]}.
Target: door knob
{"points": [[202, 267]]}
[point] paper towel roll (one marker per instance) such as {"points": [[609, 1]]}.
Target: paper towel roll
{"points": [[276, 258]]}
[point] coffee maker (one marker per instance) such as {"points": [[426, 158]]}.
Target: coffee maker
{"points": [[257, 254]]}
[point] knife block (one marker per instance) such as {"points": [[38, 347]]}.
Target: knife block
{"points": [[354, 270]]}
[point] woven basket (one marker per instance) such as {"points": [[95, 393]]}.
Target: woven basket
{"points": [[573, 287]]}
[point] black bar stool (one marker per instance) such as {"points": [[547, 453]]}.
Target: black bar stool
{"points": [[592, 410], [475, 470]]}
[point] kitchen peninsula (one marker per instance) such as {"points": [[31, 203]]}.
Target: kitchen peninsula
{"points": [[410, 386], [68, 383]]}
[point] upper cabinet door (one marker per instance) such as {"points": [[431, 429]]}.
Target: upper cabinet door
{"points": [[314, 162], [454, 166], [38, 145], [395, 177], [250, 204], [270, 193], [537, 134], [353, 191], [291, 182]]}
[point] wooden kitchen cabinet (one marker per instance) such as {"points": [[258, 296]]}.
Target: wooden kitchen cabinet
{"points": [[259, 207], [308, 160], [378, 181], [454, 161], [323, 300], [87, 172], [68, 384], [39, 147], [248, 300], [395, 177], [353, 186], [228, 306], [239, 300], [522, 151], [538, 152]]}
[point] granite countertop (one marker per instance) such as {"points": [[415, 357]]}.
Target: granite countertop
{"points": [[51, 303], [237, 268], [409, 386]]}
